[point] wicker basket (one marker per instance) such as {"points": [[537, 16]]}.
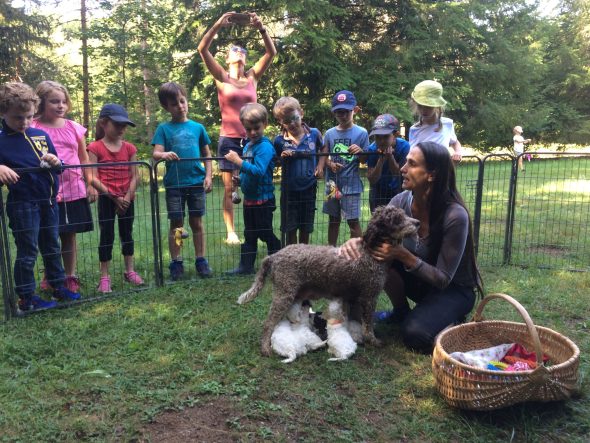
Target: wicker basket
{"points": [[468, 387]]}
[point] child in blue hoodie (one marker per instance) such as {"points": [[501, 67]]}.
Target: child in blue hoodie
{"points": [[256, 182], [31, 206]]}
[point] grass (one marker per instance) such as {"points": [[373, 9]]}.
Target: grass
{"points": [[103, 371]]}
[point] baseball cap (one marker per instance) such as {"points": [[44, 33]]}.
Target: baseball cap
{"points": [[116, 113], [384, 124], [343, 100], [429, 93]]}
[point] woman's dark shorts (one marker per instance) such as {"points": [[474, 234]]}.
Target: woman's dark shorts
{"points": [[225, 145]]}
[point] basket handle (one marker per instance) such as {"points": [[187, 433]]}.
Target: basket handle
{"points": [[523, 313]]}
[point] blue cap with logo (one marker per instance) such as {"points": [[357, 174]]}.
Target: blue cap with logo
{"points": [[384, 124], [343, 100], [116, 113]]}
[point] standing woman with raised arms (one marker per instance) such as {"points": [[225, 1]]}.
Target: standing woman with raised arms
{"points": [[235, 88]]}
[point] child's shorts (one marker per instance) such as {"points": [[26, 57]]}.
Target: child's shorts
{"points": [[192, 196], [347, 207], [298, 210], [75, 216], [225, 145]]}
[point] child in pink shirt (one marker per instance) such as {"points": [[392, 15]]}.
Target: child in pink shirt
{"points": [[73, 197]]}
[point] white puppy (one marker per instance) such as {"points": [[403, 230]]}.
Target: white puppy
{"points": [[293, 336], [340, 342]]}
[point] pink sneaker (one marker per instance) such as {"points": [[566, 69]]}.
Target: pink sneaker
{"points": [[133, 277], [104, 285], [72, 283], [45, 286]]}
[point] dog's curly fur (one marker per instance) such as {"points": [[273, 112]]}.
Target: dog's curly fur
{"points": [[312, 272]]}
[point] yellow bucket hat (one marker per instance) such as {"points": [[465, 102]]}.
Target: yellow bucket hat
{"points": [[429, 93]]}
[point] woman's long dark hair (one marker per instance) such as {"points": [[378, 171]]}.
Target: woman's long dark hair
{"points": [[444, 192]]}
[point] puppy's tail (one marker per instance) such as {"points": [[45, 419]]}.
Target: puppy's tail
{"points": [[258, 284]]}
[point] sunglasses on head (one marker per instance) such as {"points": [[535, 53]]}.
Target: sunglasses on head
{"points": [[239, 49]]}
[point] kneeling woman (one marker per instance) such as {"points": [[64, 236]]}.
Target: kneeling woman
{"points": [[438, 270]]}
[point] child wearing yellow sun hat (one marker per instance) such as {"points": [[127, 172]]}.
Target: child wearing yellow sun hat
{"points": [[427, 103]]}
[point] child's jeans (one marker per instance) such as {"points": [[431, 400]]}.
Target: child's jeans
{"points": [[258, 225], [34, 225]]}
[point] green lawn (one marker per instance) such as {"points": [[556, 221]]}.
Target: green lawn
{"points": [[105, 371]]}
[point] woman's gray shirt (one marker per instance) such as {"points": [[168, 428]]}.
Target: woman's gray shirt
{"points": [[452, 264]]}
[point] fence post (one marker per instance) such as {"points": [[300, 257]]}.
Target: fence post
{"points": [[478, 201], [5, 267], [510, 212]]}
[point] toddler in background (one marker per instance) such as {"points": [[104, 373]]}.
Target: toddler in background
{"points": [[519, 142]]}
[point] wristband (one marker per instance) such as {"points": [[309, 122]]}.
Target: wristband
{"points": [[262, 31]]}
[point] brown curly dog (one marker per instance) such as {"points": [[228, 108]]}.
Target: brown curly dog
{"points": [[312, 272]]}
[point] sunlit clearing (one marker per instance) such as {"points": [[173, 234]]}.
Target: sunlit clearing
{"points": [[572, 186]]}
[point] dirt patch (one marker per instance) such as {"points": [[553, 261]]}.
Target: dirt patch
{"points": [[215, 420], [209, 421], [552, 250]]}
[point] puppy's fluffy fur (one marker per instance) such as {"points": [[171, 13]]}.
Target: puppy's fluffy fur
{"points": [[301, 272], [340, 343], [293, 335]]}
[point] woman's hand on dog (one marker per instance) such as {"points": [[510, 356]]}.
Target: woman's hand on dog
{"points": [[386, 252], [351, 249]]}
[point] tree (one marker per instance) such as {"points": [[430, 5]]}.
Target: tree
{"points": [[22, 36]]}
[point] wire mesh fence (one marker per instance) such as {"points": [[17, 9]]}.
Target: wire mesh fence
{"points": [[536, 217]]}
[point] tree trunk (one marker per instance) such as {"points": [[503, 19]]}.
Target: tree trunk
{"points": [[85, 77], [146, 73]]}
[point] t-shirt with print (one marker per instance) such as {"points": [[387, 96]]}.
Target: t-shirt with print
{"points": [[299, 170], [186, 139], [348, 179], [116, 178], [444, 135], [65, 140]]}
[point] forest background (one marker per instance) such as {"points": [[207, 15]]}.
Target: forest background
{"points": [[501, 62]]}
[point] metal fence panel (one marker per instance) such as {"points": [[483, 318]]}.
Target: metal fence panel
{"points": [[539, 217], [87, 264], [551, 225]]}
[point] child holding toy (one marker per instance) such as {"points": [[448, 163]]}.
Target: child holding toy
{"points": [[519, 142], [186, 182], [344, 142], [297, 146], [256, 182], [116, 187], [74, 188]]}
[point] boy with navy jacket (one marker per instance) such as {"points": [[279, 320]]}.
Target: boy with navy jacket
{"points": [[257, 186], [31, 205]]}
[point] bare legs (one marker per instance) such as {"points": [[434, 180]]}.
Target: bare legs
{"points": [[228, 206], [334, 227]]}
